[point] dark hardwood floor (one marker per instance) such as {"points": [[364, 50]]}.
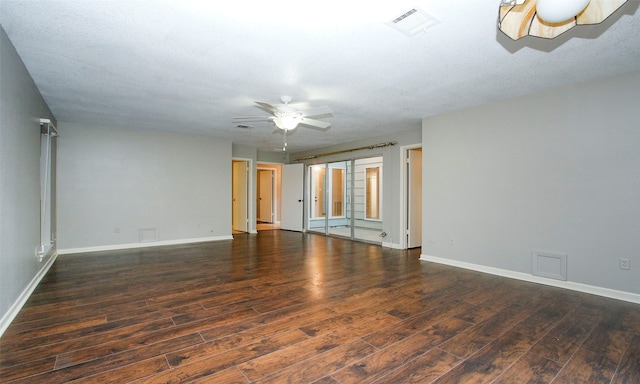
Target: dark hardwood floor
{"points": [[288, 307]]}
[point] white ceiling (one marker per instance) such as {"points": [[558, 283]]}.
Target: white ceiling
{"points": [[190, 66]]}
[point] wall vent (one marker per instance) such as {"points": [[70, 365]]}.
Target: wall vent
{"points": [[548, 264], [399, 19], [148, 235], [413, 22]]}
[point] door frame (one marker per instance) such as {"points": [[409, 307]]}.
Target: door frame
{"points": [[404, 203], [272, 218], [277, 188], [251, 223], [350, 200]]}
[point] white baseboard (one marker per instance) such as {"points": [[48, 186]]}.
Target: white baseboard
{"points": [[11, 314], [116, 247], [594, 290], [392, 245]]}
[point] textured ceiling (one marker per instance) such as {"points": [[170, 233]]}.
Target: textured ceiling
{"points": [[186, 66]]}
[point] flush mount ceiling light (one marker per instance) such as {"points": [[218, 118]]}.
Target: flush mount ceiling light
{"points": [[550, 18]]}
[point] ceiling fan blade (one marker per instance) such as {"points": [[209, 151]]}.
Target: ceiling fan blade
{"points": [[252, 121], [252, 117], [315, 123], [266, 107], [317, 111]]}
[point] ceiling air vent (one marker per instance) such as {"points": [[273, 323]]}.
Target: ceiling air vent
{"points": [[413, 22]]}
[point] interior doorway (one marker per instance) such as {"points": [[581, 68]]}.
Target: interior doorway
{"points": [[264, 195], [240, 196], [268, 196]]}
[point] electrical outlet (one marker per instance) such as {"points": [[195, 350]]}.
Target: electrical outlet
{"points": [[117, 230], [625, 264]]}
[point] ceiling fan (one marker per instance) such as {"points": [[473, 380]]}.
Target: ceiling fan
{"points": [[287, 117]]}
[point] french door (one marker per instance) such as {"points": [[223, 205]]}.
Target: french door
{"points": [[345, 199]]}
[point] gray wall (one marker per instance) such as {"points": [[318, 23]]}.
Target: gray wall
{"points": [[272, 156], [21, 105], [556, 172], [112, 183]]}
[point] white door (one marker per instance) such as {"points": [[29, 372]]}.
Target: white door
{"points": [[265, 195], [292, 197], [239, 196], [414, 197]]}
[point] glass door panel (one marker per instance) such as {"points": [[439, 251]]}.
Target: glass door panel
{"points": [[317, 206], [368, 199], [338, 188]]}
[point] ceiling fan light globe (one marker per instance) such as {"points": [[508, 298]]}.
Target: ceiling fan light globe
{"points": [[558, 11], [287, 123]]}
